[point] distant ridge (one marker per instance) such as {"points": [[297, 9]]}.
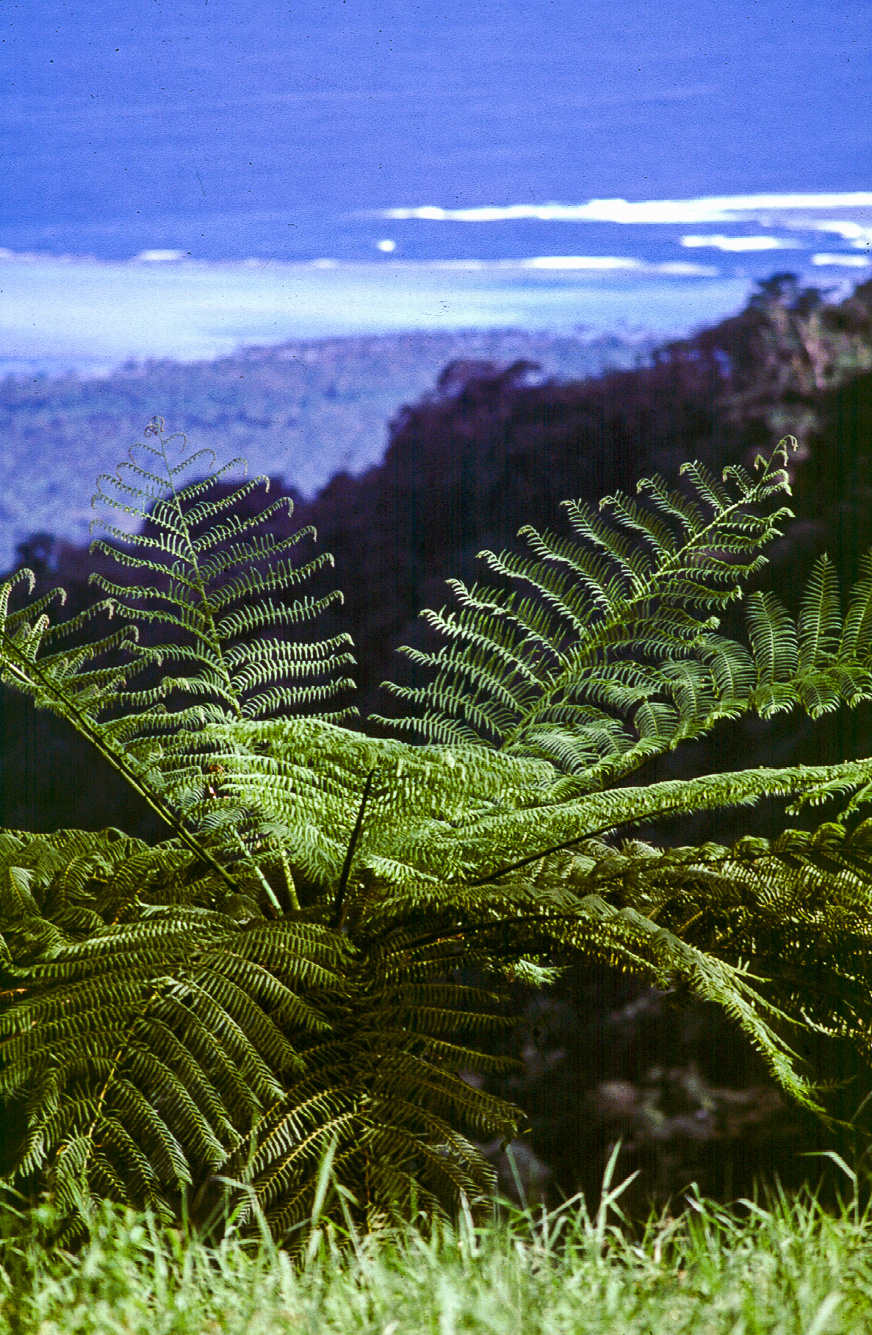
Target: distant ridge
{"points": [[303, 410]]}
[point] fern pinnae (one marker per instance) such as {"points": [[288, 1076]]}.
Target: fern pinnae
{"points": [[206, 509], [746, 484], [600, 586], [166, 1152], [233, 526], [257, 547], [820, 619], [532, 624], [188, 604], [733, 670], [690, 685], [727, 510], [496, 629], [12, 621], [178, 1064], [254, 664], [442, 725], [656, 721], [856, 638], [237, 1002], [499, 684], [631, 565], [239, 1046], [576, 819], [652, 530], [676, 507], [281, 575], [193, 1133], [572, 603], [773, 638], [436, 727], [707, 486]]}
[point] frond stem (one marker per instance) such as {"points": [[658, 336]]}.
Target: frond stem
{"points": [[87, 729], [198, 581], [339, 910]]}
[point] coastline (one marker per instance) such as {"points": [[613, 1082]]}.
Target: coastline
{"points": [[65, 314]]}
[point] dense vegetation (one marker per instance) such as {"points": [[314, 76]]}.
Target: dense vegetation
{"points": [[458, 471]]}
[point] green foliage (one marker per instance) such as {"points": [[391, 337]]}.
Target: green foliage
{"points": [[312, 963], [159, 1034]]}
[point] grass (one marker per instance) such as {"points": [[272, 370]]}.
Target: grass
{"points": [[787, 1267]]}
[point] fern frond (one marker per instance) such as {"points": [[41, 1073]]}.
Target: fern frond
{"points": [[619, 619], [638, 586], [856, 638], [204, 600], [785, 903], [820, 618], [212, 594]]}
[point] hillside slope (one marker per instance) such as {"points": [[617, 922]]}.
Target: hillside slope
{"points": [[301, 411], [486, 452]]}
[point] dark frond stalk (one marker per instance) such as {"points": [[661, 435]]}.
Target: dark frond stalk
{"points": [[339, 905], [536, 857]]}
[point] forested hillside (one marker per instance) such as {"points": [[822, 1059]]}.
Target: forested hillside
{"points": [[490, 447], [301, 411]]}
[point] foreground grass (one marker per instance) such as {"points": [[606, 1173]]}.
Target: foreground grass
{"points": [[788, 1267]]}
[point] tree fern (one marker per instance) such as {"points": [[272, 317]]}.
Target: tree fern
{"points": [[196, 1024]]}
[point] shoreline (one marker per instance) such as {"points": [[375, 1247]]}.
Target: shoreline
{"points": [[67, 316]]}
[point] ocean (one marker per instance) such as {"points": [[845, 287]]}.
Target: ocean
{"points": [[625, 275], [184, 177]]}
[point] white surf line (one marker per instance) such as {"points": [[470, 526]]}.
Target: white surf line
{"points": [[706, 209]]}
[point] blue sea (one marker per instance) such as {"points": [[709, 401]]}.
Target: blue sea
{"points": [[184, 177]]}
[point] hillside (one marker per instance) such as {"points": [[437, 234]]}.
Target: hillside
{"points": [[486, 451], [302, 411]]}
